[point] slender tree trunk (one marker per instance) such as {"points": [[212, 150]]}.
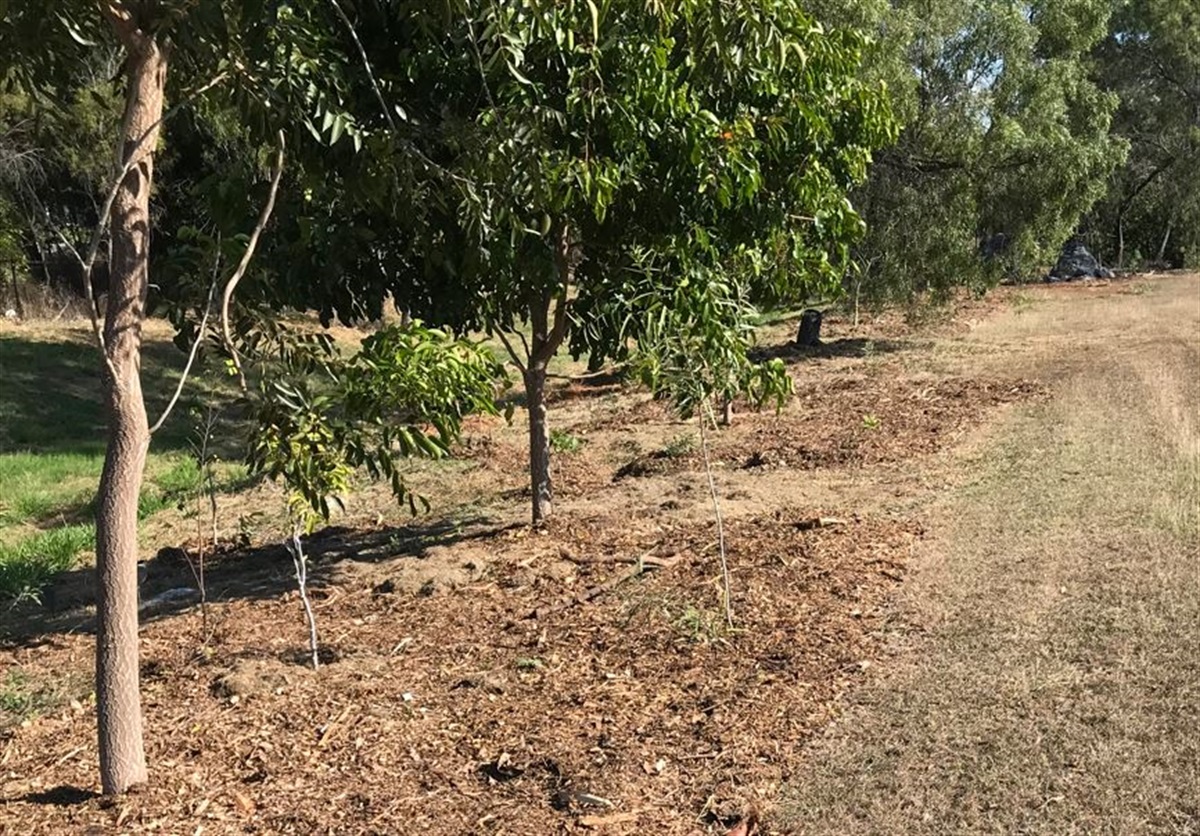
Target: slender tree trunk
{"points": [[1162, 248], [546, 337], [726, 412], [122, 755], [1121, 240], [540, 481], [19, 305]]}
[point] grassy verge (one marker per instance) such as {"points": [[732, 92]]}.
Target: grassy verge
{"points": [[52, 443]]}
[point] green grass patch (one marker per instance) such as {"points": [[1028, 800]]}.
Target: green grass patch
{"points": [[27, 565], [41, 486], [23, 697], [60, 498]]}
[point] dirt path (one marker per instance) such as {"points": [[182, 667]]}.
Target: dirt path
{"points": [[1053, 683]]}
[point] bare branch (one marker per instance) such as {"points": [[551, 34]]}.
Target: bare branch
{"points": [[251, 245], [212, 292], [707, 413], [362, 53], [93, 307], [524, 343]]}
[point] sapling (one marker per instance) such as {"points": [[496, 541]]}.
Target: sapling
{"points": [[694, 350], [321, 417]]}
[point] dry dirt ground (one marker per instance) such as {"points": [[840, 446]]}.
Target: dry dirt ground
{"points": [[965, 599]]}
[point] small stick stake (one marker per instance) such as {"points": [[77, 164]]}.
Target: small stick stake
{"points": [[712, 492]]}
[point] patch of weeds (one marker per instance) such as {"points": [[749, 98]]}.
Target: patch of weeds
{"points": [[1022, 302], [27, 566], [700, 626], [562, 441], [680, 446], [871, 422], [22, 698]]}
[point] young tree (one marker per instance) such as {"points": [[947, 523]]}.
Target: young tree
{"points": [[693, 350], [551, 152], [321, 416], [213, 42]]}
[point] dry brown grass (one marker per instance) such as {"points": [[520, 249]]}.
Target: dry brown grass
{"points": [[1057, 686]]}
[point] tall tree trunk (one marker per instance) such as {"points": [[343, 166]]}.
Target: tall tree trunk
{"points": [[19, 304], [122, 755], [540, 482]]}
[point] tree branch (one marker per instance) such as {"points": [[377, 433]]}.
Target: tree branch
{"points": [[125, 162], [212, 292], [387, 113], [362, 53], [566, 270], [251, 245], [516, 358]]}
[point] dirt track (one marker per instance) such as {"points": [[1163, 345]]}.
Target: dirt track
{"points": [[1056, 687]]}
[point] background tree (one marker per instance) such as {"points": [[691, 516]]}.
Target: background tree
{"points": [[1005, 146], [1151, 60], [55, 159]]}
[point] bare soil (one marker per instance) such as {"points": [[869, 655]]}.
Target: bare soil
{"points": [[483, 677]]}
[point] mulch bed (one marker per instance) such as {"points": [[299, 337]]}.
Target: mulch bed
{"points": [[846, 422], [635, 711], [518, 681]]}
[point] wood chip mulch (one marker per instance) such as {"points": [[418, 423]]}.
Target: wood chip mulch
{"points": [[524, 702]]}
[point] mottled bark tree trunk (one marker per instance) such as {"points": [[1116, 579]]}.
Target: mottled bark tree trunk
{"points": [[540, 480], [1162, 248], [545, 340], [119, 713]]}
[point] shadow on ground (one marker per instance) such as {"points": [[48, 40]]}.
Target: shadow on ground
{"points": [[63, 796], [51, 400], [844, 347], [234, 573]]}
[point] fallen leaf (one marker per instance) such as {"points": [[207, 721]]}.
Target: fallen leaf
{"points": [[244, 803]]}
